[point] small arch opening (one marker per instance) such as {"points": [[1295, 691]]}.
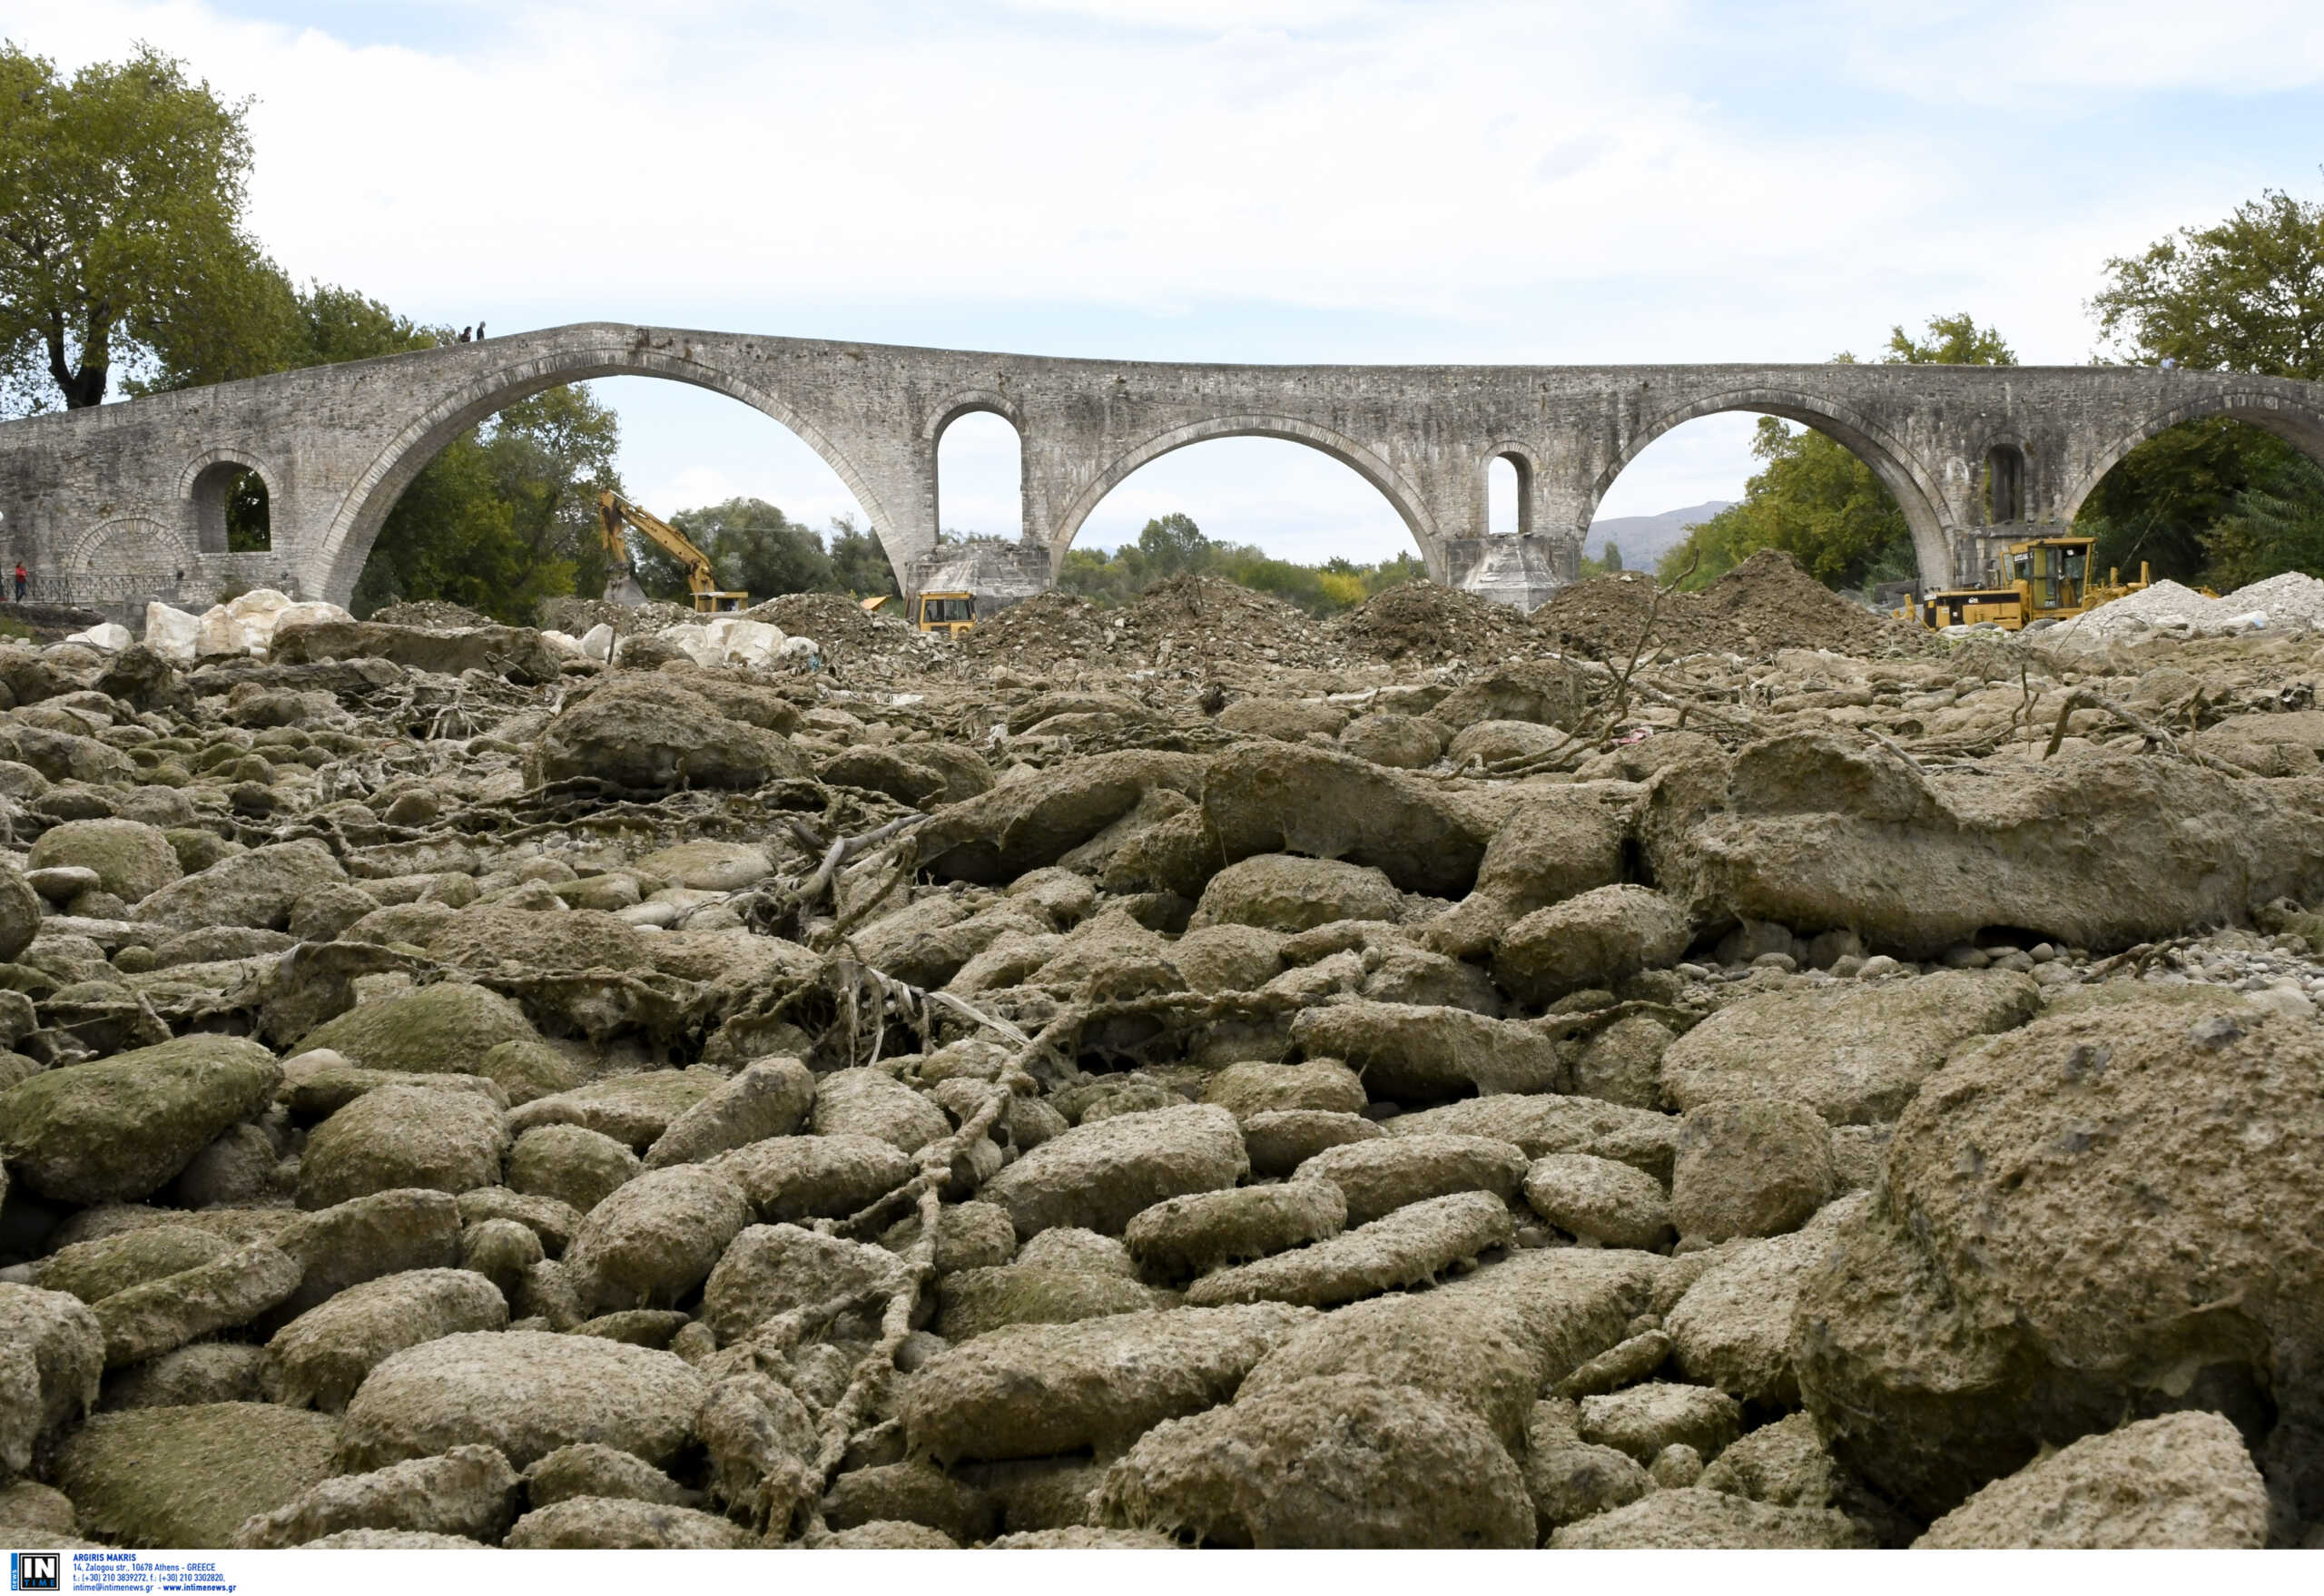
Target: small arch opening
{"points": [[232, 514], [979, 479], [2004, 485], [1507, 505]]}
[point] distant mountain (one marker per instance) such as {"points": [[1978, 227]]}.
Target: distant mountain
{"points": [[1644, 539]]}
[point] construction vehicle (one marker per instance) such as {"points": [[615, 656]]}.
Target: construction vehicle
{"points": [[948, 613], [2048, 580], [614, 512]]}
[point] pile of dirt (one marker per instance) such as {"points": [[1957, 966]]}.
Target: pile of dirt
{"points": [[831, 619], [1047, 629], [575, 616], [1765, 604], [1424, 623], [1203, 619], [431, 614]]}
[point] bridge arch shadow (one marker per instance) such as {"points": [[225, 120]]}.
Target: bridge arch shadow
{"points": [[1918, 495], [346, 543], [1403, 497]]}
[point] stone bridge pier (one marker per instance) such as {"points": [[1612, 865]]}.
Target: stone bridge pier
{"points": [[128, 500]]}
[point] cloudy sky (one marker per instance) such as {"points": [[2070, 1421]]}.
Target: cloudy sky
{"points": [[1236, 179]]}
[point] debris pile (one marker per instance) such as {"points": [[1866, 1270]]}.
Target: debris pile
{"points": [[1766, 604], [462, 1089]]}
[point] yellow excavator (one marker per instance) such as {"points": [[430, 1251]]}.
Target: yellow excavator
{"points": [[2048, 580], [614, 512], [950, 613]]}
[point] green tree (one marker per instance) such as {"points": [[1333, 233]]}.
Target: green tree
{"points": [[1816, 500], [2217, 500], [1172, 543], [122, 244], [859, 564], [1610, 556], [759, 550]]}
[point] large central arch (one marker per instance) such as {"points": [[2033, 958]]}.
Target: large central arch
{"points": [[1403, 495], [356, 526], [1889, 459]]}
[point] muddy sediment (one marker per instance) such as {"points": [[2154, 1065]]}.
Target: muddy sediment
{"points": [[1178, 1075]]}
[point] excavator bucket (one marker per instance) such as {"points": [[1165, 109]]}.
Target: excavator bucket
{"points": [[622, 588]]}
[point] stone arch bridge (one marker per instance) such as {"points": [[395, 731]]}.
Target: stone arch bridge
{"points": [[132, 494]]}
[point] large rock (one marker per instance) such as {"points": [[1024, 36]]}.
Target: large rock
{"points": [[257, 888], [772, 1270], [218, 1294], [448, 1026], [1188, 1235], [1019, 826], [1413, 1052], [1040, 1389], [516, 653], [190, 1476], [1280, 891], [20, 912], [1100, 1176], [795, 1177], [132, 860], [1821, 829], [51, 1358], [2182, 1480], [525, 1393], [1695, 1519], [651, 733], [2079, 1218], [771, 1097], [1377, 1177], [1249, 1089], [1290, 798], [1732, 1328], [321, 1357], [1596, 939], [652, 1242], [1413, 1244], [470, 1492], [386, 1232], [975, 1302], [1468, 1352], [870, 1103], [1543, 1123], [1335, 1460], [633, 1109], [1751, 1166], [612, 1523], [1599, 1199], [1556, 844], [1854, 1053], [569, 1164], [402, 1137], [114, 1132]]}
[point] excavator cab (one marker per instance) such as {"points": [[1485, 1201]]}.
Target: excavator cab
{"points": [[950, 613]]}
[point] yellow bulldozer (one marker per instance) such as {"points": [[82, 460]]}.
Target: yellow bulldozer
{"points": [[2046, 579], [950, 613], [614, 513]]}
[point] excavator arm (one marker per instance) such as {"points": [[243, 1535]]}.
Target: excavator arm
{"points": [[614, 512]]}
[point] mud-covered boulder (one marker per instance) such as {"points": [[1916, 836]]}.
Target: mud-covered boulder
{"points": [[1695, 1519], [447, 1027], [156, 1316], [795, 1177], [1732, 1326], [1188, 1235], [402, 1137], [575, 1166], [20, 912], [1019, 826], [523, 1392], [2078, 1217], [634, 1109], [1040, 1389], [652, 733], [257, 887], [652, 1242], [874, 1103], [362, 1239], [1377, 1177], [1100, 1176], [321, 1357], [1335, 1461], [1543, 1123], [1553, 846], [1855, 1053], [1413, 1052], [971, 1303], [604, 1523], [190, 1476], [2183, 1480], [1276, 797], [51, 1358], [122, 1127], [1599, 1199], [1815, 831], [1644, 1420], [515, 653], [470, 1492], [1402, 741], [771, 1097], [1413, 1244], [1249, 1089], [1595, 939], [1751, 1166], [773, 1268], [1623, 1063], [1281, 1140], [1283, 892], [132, 860], [589, 1468]]}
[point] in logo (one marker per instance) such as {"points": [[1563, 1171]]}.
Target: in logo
{"points": [[35, 1570]]}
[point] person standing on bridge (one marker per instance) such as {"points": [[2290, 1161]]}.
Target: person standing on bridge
{"points": [[23, 581]]}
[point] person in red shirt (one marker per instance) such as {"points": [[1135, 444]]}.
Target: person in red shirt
{"points": [[21, 580]]}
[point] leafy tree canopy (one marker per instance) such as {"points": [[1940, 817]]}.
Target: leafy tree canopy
{"points": [[1171, 544], [122, 243]]}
